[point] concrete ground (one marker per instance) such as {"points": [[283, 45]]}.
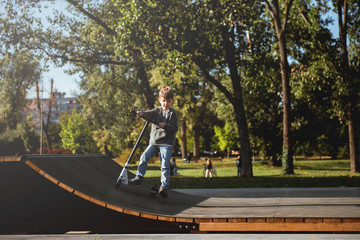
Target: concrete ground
{"points": [[340, 192]]}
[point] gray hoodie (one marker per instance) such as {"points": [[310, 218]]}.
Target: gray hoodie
{"points": [[166, 135]]}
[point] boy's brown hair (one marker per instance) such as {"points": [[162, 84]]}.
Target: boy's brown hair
{"points": [[166, 92]]}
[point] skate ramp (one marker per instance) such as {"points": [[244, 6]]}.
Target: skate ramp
{"points": [[94, 179], [60, 193], [47, 199]]}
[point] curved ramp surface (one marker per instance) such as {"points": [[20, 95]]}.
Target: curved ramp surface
{"points": [[93, 178], [34, 202]]}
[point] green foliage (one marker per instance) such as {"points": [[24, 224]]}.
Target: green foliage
{"points": [[54, 133], [18, 72], [107, 99], [77, 135], [226, 137], [11, 143], [30, 138], [177, 43]]}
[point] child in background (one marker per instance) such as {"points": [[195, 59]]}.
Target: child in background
{"points": [[208, 168]]}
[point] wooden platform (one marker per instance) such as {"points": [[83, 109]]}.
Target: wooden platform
{"points": [[93, 178]]}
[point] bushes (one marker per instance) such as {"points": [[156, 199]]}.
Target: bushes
{"points": [[54, 151], [11, 143]]}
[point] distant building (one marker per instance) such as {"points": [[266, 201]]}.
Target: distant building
{"points": [[59, 106]]}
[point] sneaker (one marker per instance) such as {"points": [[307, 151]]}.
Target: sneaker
{"points": [[137, 180], [163, 192]]}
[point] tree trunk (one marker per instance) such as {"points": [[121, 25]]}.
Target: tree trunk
{"points": [[144, 81], [353, 92], [44, 126], [196, 149], [353, 139], [287, 153], [287, 156], [245, 151], [183, 139]]}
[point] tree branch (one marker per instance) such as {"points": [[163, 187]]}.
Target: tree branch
{"points": [[269, 8], [89, 60], [345, 17], [287, 12], [92, 17], [202, 67], [211, 79], [306, 19]]}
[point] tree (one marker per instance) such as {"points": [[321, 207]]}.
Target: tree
{"points": [[107, 101], [209, 33], [105, 53], [77, 135], [19, 71], [29, 136], [329, 67], [280, 28], [227, 140], [348, 14]]}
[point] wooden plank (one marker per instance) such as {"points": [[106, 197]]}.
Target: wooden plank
{"points": [[332, 220], [199, 220], [98, 202], [271, 227], [294, 220], [256, 220], [313, 220], [33, 166], [115, 208], [10, 159], [220, 220], [131, 212], [80, 194], [147, 215], [51, 178], [66, 187], [351, 220], [181, 219], [275, 220], [237, 220], [169, 219]]}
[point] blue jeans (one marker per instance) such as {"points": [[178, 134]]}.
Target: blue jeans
{"points": [[165, 155], [238, 171]]}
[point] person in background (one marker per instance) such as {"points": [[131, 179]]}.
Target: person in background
{"points": [[173, 167], [238, 165], [209, 168]]}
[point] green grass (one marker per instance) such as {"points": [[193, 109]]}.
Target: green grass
{"points": [[308, 173]]}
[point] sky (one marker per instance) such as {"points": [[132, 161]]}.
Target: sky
{"points": [[62, 81], [69, 83]]}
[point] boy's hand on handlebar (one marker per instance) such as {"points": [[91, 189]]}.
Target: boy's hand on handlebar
{"points": [[138, 114], [161, 125]]}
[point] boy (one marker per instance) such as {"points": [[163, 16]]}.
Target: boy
{"points": [[162, 138]]}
